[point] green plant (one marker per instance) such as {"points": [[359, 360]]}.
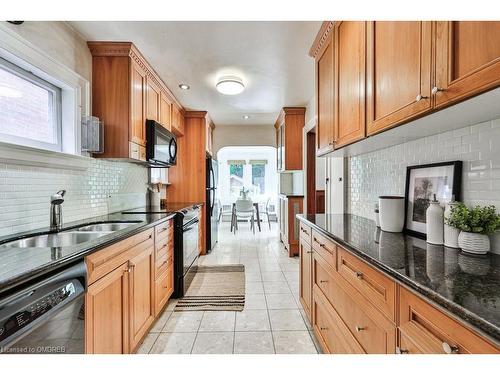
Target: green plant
{"points": [[482, 220]]}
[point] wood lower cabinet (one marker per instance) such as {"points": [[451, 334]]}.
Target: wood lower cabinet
{"points": [[398, 59], [356, 308], [305, 276], [467, 59], [349, 82], [106, 314], [126, 292], [289, 208], [141, 292]]}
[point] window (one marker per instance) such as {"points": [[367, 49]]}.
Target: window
{"points": [[30, 109], [259, 177], [235, 177]]}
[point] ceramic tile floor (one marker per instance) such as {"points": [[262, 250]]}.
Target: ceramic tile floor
{"points": [[272, 321]]}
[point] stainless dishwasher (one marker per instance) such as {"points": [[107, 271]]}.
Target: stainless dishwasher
{"points": [[46, 316]]}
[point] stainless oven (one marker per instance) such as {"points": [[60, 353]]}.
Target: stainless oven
{"points": [[161, 146], [45, 316], [186, 248]]}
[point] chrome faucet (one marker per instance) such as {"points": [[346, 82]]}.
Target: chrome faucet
{"points": [[55, 210]]}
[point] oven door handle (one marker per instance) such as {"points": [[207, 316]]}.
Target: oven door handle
{"points": [[191, 225]]}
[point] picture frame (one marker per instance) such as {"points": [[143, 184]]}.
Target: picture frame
{"points": [[423, 181]]}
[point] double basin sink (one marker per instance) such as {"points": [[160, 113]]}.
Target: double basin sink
{"points": [[70, 237]]}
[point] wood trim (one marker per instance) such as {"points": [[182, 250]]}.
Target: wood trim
{"points": [[321, 37], [128, 49], [195, 114], [311, 172]]}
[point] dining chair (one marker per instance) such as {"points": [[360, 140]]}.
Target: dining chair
{"points": [[270, 210], [224, 210], [244, 209]]}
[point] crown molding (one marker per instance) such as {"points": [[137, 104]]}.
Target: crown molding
{"points": [[322, 36]]}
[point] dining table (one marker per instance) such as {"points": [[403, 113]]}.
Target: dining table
{"points": [[256, 205]]}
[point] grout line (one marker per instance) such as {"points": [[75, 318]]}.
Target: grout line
{"points": [[197, 331]]}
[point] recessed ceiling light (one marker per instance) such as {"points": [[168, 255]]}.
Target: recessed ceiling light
{"points": [[246, 117], [184, 86], [230, 85]]}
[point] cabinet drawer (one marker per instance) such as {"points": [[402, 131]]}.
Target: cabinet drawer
{"points": [[163, 246], [162, 264], [164, 286], [372, 284], [323, 274], [330, 330], [325, 247], [305, 232], [163, 230], [106, 260], [372, 330], [432, 331]]}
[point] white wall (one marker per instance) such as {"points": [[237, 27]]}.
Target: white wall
{"points": [[25, 189], [384, 171], [244, 135]]}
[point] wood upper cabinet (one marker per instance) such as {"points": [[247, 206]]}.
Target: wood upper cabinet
{"points": [[153, 101], [398, 61], [467, 59], [137, 104], [177, 121], [289, 127], [165, 111], [349, 82], [106, 314], [125, 92], [141, 289], [325, 96]]}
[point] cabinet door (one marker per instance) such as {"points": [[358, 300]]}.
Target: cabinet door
{"points": [[305, 253], [177, 121], [165, 111], [153, 101], [467, 59], [398, 72], [106, 314], [349, 82], [325, 98], [137, 105], [141, 287]]}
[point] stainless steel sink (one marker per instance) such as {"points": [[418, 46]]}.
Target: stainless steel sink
{"points": [[60, 239], [107, 227]]}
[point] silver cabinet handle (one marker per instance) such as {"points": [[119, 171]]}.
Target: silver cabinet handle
{"points": [[359, 328], [359, 275], [309, 251], [322, 245], [323, 328], [401, 351], [323, 281], [420, 97], [436, 89], [450, 349]]}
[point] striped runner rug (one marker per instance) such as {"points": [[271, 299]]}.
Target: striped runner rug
{"points": [[215, 288]]}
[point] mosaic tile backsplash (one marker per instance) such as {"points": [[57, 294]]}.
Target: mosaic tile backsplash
{"points": [[383, 172], [25, 192]]}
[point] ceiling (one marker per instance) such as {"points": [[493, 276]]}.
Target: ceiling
{"points": [[271, 58]]}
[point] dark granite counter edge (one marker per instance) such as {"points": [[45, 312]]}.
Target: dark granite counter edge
{"points": [[471, 319], [32, 274]]}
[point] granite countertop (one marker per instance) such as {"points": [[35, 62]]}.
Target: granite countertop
{"points": [[18, 265], [466, 285]]}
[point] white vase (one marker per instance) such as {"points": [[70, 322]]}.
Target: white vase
{"points": [[450, 233], [392, 213], [434, 223], [474, 243]]}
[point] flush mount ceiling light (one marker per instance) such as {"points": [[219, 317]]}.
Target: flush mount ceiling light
{"points": [[230, 85], [184, 86], [246, 117]]}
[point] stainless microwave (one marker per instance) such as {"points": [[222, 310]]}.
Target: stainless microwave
{"points": [[161, 145]]}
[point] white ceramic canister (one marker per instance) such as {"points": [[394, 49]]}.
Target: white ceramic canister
{"points": [[377, 215], [434, 217], [392, 213], [450, 233]]}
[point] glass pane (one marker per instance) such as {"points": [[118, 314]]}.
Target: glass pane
{"points": [[235, 179], [259, 178], [25, 109]]}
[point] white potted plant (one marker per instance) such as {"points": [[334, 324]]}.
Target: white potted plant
{"points": [[476, 224]]}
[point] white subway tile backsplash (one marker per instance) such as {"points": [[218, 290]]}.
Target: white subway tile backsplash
{"points": [[384, 171], [25, 192]]}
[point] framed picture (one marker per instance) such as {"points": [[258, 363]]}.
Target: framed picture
{"points": [[422, 182]]}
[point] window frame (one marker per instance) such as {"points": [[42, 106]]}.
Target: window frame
{"points": [[56, 114]]}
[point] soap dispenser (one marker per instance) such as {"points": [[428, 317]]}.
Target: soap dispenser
{"points": [[435, 222]]}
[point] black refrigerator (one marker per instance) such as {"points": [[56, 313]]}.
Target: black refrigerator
{"points": [[212, 216]]}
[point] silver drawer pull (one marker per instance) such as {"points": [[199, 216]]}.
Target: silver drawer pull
{"points": [[322, 245], [450, 349], [323, 281], [323, 328], [359, 275], [401, 351], [359, 328], [309, 251]]}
